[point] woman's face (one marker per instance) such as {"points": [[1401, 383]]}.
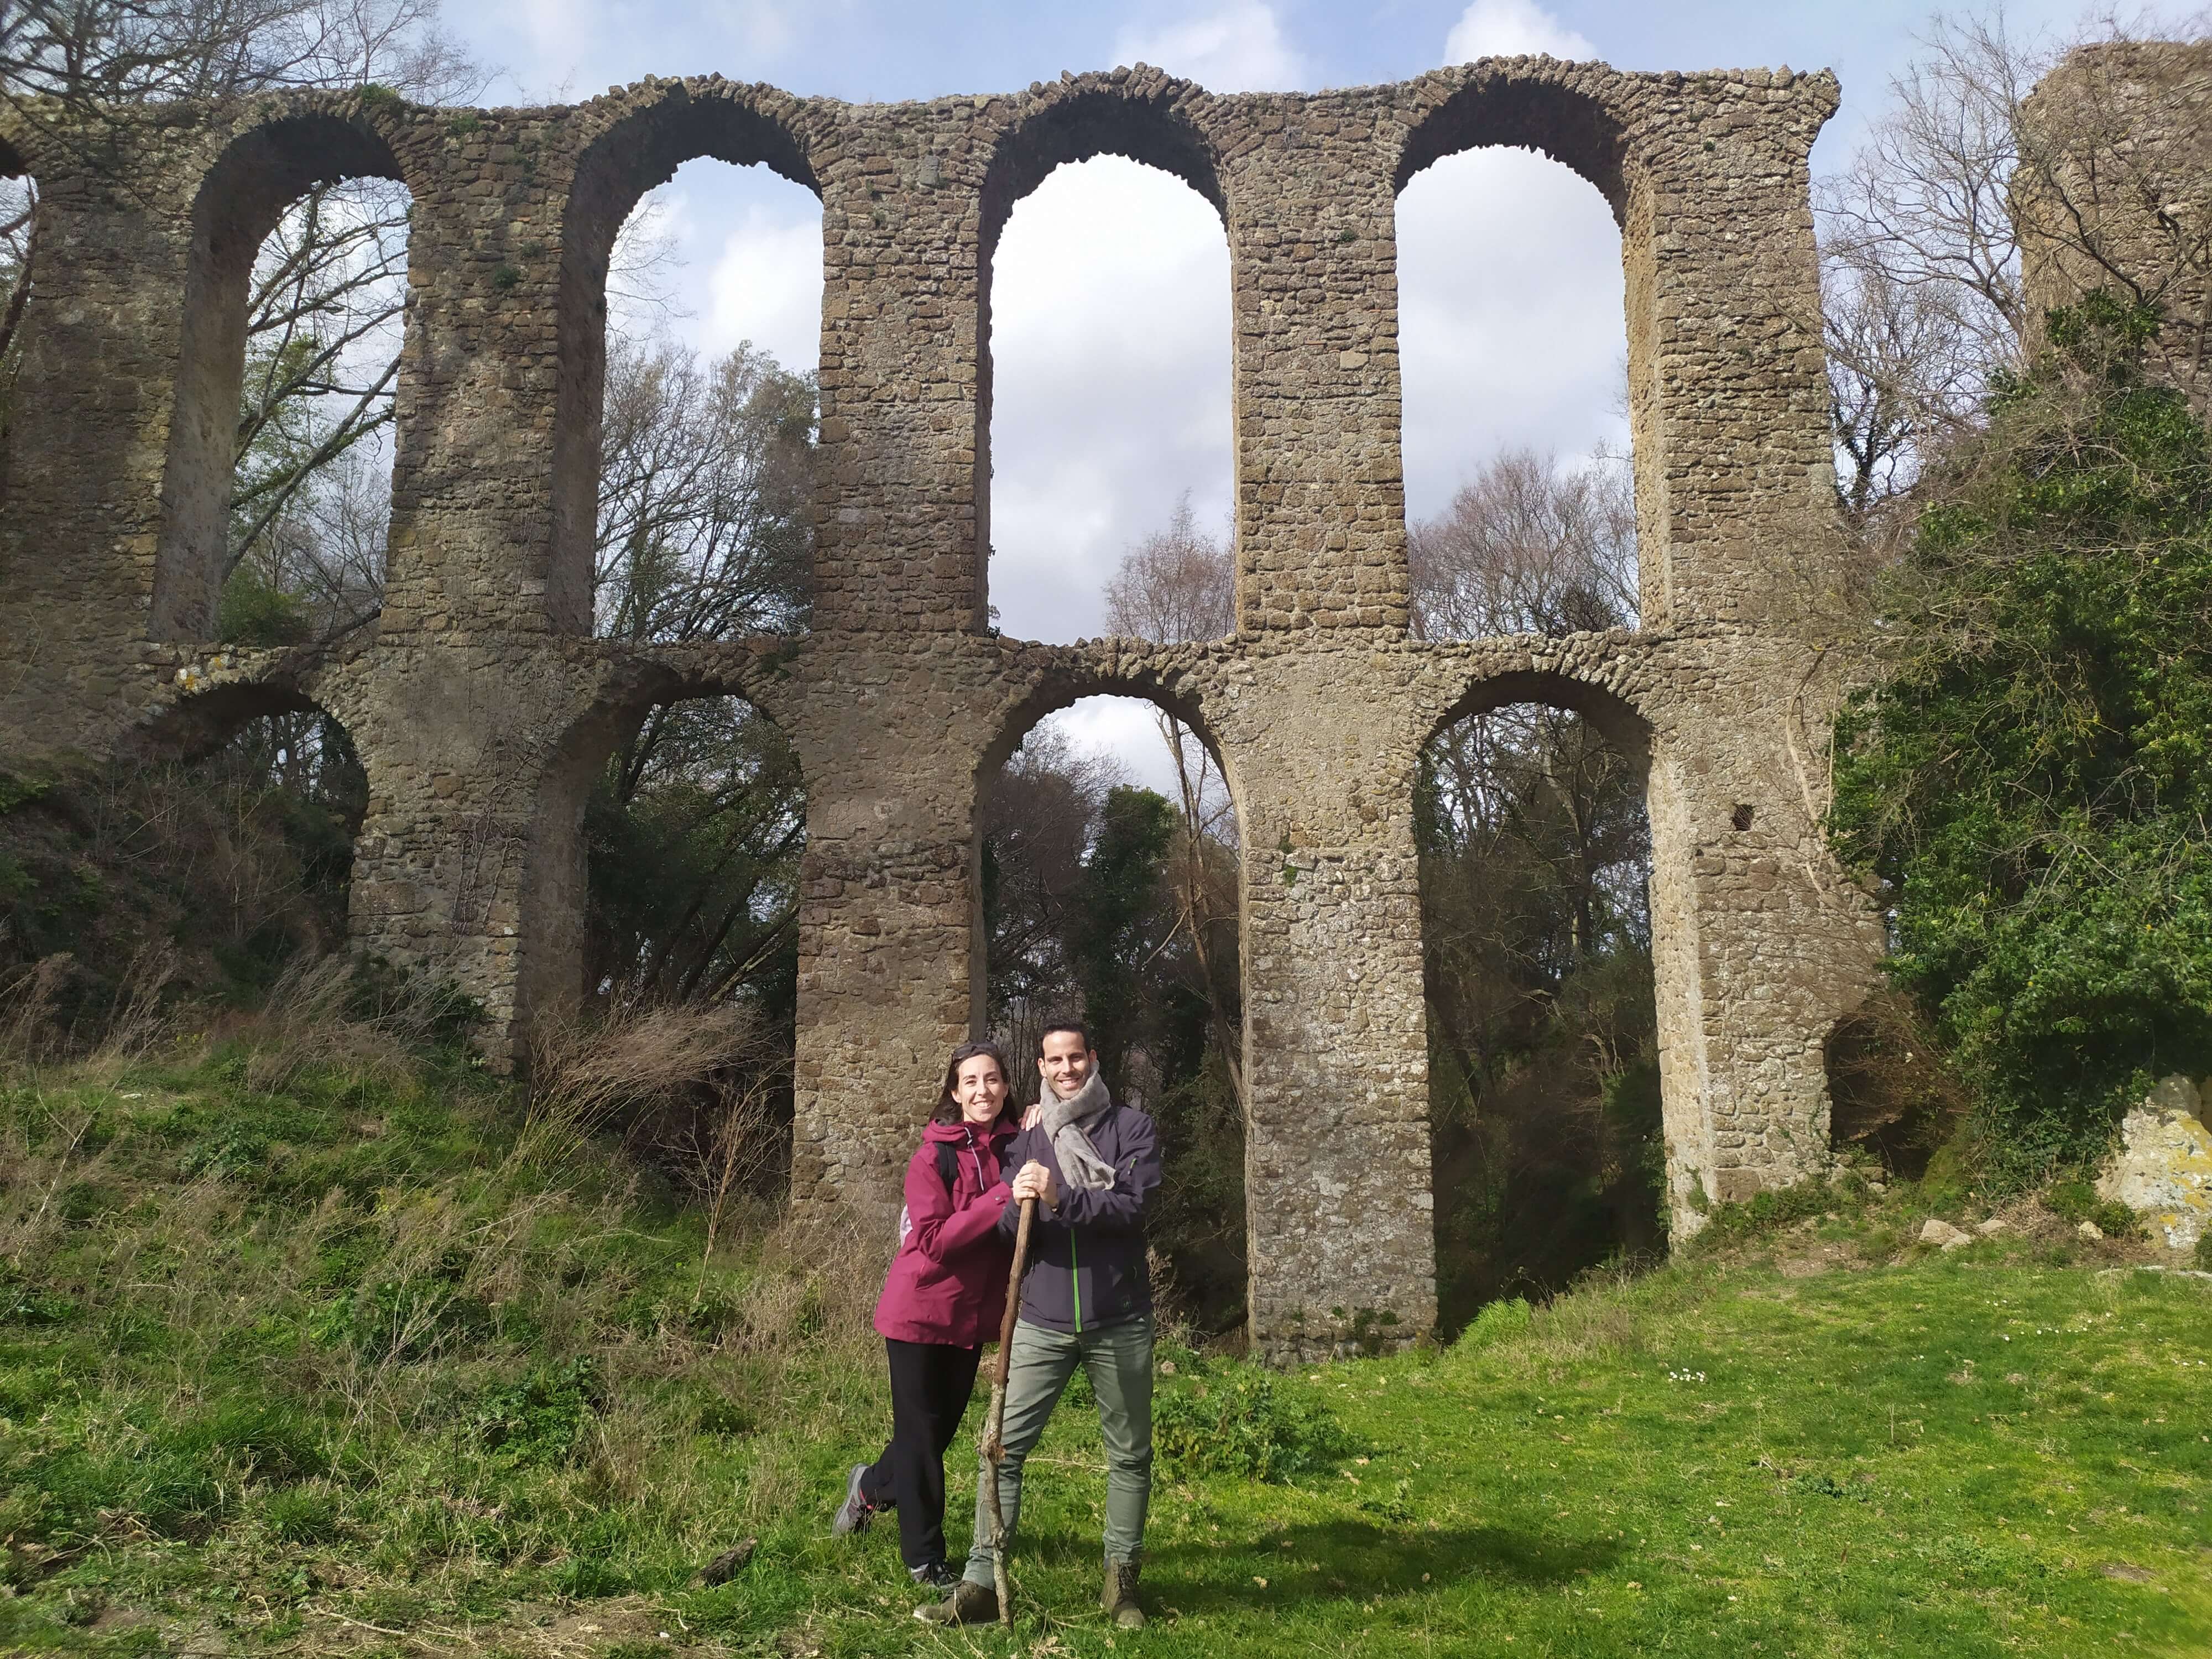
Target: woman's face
{"points": [[981, 1089]]}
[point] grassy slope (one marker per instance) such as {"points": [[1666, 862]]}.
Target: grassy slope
{"points": [[346, 1366]]}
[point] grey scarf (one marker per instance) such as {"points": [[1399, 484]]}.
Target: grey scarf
{"points": [[1065, 1122]]}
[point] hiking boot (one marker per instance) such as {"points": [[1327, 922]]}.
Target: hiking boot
{"points": [[855, 1512], [938, 1575], [970, 1603], [1119, 1597]]}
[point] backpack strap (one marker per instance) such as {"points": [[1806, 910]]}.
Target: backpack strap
{"points": [[948, 1166]]}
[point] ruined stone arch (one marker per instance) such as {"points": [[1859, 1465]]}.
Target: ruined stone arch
{"points": [[259, 172], [1048, 693], [1617, 719], [1060, 687], [553, 885], [633, 154], [1563, 111], [1150, 123], [200, 719]]}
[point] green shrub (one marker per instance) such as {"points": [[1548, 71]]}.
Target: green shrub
{"points": [[1768, 1212], [1498, 1321], [2204, 1250], [409, 1318], [540, 1421], [2031, 776], [2076, 1201], [267, 1441], [1241, 1421]]}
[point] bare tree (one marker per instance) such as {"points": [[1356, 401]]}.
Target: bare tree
{"points": [[1923, 233], [705, 480], [1037, 821], [1176, 586], [1526, 548], [1531, 796], [328, 287]]}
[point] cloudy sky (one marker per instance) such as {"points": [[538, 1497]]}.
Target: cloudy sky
{"points": [[1110, 294]]}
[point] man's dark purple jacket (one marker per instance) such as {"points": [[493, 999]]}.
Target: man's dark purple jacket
{"points": [[1086, 1266]]}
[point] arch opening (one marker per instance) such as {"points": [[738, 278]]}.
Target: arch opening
{"points": [[710, 415], [616, 347], [1104, 398], [1517, 290], [662, 889], [1534, 852], [217, 854], [276, 495], [1108, 890]]}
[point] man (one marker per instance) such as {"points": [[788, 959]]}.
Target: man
{"points": [[1091, 1162]]}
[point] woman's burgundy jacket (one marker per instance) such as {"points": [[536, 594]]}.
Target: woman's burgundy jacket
{"points": [[948, 1281]]}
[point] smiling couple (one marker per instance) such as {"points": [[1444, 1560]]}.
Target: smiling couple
{"points": [[1091, 1162]]}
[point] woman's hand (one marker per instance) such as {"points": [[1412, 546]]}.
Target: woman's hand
{"points": [[1034, 1180]]}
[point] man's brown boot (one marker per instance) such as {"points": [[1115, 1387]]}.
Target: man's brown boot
{"points": [[1119, 1597], [970, 1603]]}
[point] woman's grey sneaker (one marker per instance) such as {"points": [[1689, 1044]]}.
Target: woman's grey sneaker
{"points": [[938, 1575], [969, 1604], [855, 1512]]}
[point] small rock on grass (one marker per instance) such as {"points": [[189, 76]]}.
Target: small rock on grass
{"points": [[2090, 1229], [1943, 1235], [729, 1564], [1996, 1224]]}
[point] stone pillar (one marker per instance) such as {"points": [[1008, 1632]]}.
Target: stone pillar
{"points": [[886, 932], [454, 845], [886, 919], [1340, 1218], [1320, 503], [80, 500], [899, 544], [469, 865], [1761, 942], [1728, 390], [2116, 176], [476, 471]]}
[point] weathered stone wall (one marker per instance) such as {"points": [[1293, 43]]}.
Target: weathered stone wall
{"points": [[482, 710], [2114, 191]]}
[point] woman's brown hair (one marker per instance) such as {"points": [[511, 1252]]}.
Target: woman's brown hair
{"points": [[948, 1108]]}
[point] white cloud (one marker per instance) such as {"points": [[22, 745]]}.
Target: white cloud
{"points": [[1511, 328], [766, 286], [1511, 28], [1126, 729], [1239, 48], [1110, 346]]}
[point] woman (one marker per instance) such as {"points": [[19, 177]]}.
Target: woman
{"points": [[943, 1300]]}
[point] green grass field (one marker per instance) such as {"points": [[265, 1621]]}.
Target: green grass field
{"points": [[342, 1361]]}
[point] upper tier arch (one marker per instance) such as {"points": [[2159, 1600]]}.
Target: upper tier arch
{"points": [[259, 172], [637, 150]]}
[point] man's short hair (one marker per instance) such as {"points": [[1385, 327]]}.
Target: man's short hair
{"points": [[1074, 1025]]}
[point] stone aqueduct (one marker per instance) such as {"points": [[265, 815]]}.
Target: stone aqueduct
{"points": [[482, 708]]}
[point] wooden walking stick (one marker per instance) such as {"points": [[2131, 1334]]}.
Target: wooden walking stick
{"points": [[995, 1422]]}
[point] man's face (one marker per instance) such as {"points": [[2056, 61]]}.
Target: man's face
{"points": [[1065, 1063]]}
